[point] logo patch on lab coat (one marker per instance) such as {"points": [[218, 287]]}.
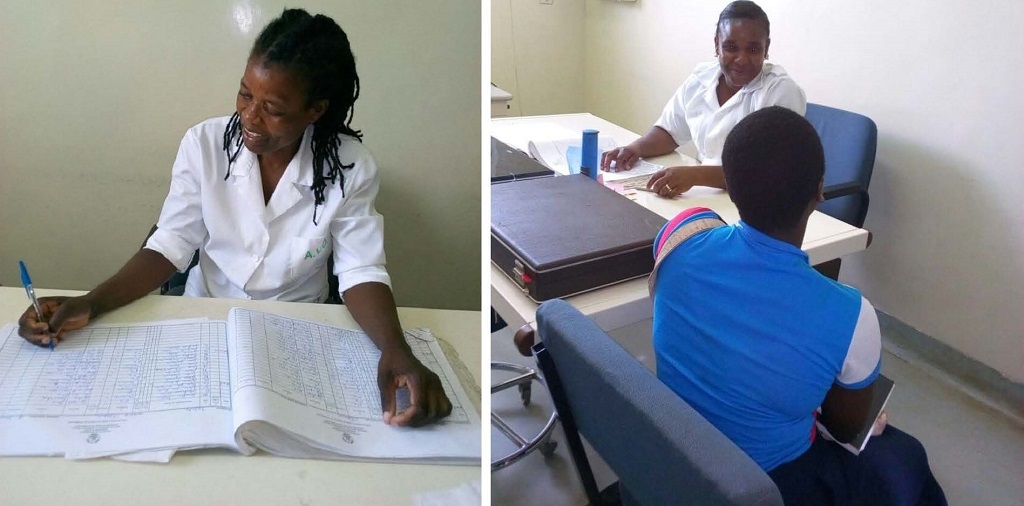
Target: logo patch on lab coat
{"points": [[319, 249]]}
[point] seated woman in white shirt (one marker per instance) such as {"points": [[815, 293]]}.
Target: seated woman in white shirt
{"points": [[266, 195], [712, 101]]}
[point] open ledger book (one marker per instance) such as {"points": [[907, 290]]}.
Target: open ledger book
{"points": [[258, 381], [880, 397]]}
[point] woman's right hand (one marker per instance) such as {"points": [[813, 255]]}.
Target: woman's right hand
{"points": [[60, 315], [624, 158]]}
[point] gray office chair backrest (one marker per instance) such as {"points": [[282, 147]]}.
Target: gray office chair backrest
{"points": [[662, 450]]}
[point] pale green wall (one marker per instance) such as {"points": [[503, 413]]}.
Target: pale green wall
{"points": [[537, 55], [95, 96]]}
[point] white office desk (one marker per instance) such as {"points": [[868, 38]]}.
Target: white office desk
{"points": [[220, 476], [627, 303]]}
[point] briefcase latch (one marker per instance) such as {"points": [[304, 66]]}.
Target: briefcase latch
{"points": [[520, 276]]}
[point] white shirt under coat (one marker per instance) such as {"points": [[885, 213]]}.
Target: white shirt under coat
{"points": [[694, 114], [249, 249]]}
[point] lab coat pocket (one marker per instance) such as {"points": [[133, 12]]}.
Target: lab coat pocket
{"points": [[309, 254]]}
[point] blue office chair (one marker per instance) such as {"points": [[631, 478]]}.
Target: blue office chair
{"points": [[662, 450], [850, 140]]}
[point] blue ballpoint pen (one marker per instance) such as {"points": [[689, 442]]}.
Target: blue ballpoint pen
{"points": [[27, 281]]}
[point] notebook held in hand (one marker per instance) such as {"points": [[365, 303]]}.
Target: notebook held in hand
{"points": [[560, 236]]}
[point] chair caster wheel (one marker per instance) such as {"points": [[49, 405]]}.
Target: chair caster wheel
{"points": [[547, 449], [524, 393]]}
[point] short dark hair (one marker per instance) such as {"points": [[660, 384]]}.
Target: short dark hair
{"points": [[743, 9], [773, 164], [317, 50]]}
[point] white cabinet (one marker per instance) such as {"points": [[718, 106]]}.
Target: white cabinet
{"points": [[500, 102]]}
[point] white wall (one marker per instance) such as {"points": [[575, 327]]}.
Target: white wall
{"points": [[97, 94], [942, 81], [537, 54]]}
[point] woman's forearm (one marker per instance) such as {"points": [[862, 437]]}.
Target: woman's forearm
{"points": [[372, 305], [142, 274], [655, 142]]}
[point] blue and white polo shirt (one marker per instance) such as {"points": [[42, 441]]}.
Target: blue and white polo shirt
{"points": [[752, 337]]}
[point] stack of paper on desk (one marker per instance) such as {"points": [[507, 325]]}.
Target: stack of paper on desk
{"points": [[258, 381], [563, 155], [640, 173]]}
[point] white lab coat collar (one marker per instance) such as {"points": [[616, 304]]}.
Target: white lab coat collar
{"points": [[295, 183], [302, 162], [303, 175], [710, 82]]}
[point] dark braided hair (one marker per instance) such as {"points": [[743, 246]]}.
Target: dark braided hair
{"points": [[743, 9], [317, 50]]}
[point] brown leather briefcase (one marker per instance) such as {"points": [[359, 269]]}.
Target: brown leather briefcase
{"points": [[559, 236]]}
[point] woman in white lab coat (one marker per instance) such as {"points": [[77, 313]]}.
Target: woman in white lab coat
{"points": [[712, 101], [266, 195]]}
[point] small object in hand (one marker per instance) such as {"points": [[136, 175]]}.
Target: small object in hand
{"points": [[403, 399]]}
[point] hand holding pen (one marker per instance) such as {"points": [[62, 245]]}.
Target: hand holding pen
{"points": [[48, 318], [31, 292]]}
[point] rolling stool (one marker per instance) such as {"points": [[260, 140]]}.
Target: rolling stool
{"points": [[524, 383]]}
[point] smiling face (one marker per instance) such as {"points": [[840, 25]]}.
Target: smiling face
{"points": [[273, 108], [741, 46]]}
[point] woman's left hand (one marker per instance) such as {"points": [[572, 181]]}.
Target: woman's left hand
{"points": [[428, 402], [671, 181]]}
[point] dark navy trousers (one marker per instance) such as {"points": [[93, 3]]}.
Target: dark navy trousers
{"points": [[892, 470]]}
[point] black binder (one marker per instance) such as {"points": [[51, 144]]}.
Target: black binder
{"points": [[510, 164]]}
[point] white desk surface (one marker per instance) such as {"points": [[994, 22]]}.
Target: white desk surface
{"points": [[220, 476], [627, 303]]}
